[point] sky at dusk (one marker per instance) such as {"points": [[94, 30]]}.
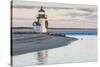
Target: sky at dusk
{"points": [[59, 15]]}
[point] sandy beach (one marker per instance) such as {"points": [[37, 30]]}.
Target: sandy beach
{"points": [[25, 43], [79, 51]]}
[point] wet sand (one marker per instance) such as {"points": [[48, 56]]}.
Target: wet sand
{"points": [[25, 43]]}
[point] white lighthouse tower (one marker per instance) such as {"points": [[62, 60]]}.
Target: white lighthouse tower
{"points": [[42, 22]]}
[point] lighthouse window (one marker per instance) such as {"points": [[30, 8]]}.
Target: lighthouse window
{"points": [[41, 13]]}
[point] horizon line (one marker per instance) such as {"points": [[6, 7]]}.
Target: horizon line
{"points": [[56, 28]]}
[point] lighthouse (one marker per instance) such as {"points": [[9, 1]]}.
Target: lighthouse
{"points": [[41, 23]]}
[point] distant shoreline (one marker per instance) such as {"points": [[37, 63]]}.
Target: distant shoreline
{"points": [[57, 28]]}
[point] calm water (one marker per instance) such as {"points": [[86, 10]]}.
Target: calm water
{"points": [[68, 32], [78, 51], [76, 32]]}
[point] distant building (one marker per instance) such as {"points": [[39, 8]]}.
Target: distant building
{"points": [[41, 22]]}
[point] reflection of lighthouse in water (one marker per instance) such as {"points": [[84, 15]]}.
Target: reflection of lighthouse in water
{"points": [[42, 57], [41, 22]]}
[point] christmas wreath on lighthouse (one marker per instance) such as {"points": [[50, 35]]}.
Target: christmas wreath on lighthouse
{"points": [[41, 23]]}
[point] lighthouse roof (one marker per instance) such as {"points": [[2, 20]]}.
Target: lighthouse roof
{"points": [[36, 24], [41, 10]]}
